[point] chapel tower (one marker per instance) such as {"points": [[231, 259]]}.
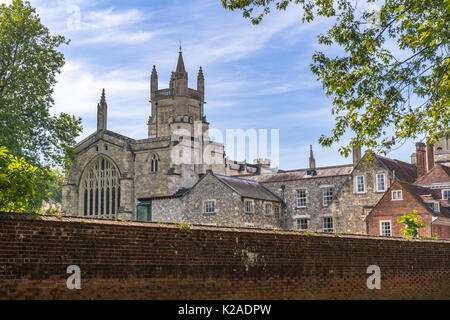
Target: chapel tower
{"points": [[177, 106]]}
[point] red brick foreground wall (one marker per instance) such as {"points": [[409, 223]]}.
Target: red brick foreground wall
{"points": [[129, 260]]}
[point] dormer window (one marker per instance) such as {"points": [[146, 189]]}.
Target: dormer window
{"points": [[434, 205], [446, 194]]}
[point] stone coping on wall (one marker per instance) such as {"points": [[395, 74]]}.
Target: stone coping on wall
{"points": [[70, 219]]}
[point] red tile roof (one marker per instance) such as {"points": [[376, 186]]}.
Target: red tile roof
{"points": [[403, 171]]}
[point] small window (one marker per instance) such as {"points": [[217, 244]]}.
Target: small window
{"points": [[268, 208], [106, 147], [434, 206], [302, 224], [385, 228], [446, 194], [248, 206], [360, 184], [327, 195], [209, 207], [154, 163], [301, 198], [327, 224], [96, 148], [277, 212], [397, 195], [143, 212], [381, 182]]}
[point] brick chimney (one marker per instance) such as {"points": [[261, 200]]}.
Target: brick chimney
{"points": [[356, 155], [421, 159], [430, 156]]}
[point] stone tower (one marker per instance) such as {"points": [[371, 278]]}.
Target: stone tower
{"points": [[178, 106]]}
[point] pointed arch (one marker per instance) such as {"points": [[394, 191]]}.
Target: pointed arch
{"points": [[154, 162], [100, 188]]}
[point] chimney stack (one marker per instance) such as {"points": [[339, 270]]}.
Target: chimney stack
{"points": [[421, 159], [430, 156], [413, 158], [356, 155]]}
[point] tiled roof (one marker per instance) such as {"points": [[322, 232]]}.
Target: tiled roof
{"points": [[403, 171], [283, 175], [423, 194], [438, 174], [248, 188]]}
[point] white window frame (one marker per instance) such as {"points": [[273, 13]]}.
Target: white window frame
{"points": [[268, 205], [384, 182], [398, 192], [205, 206], [382, 229], [363, 184], [448, 194], [327, 229], [252, 206], [298, 223], [298, 198], [436, 207], [327, 196]]}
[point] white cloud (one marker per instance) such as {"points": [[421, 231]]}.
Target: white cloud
{"points": [[110, 19]]}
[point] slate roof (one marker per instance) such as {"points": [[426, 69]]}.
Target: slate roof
{"points": [[178, 194], [287, 175], [403, 171], [248, 188]]}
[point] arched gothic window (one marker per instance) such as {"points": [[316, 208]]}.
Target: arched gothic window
{"points": [[100, 190], [154, 163]]}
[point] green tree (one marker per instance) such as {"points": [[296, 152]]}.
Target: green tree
{"points": [[16, 182], [29, 64], [392, 81], [412, 223]]}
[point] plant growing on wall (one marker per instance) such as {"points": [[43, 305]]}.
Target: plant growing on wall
{"points": [[412, 223]]}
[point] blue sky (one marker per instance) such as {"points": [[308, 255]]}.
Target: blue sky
{"points": [[255, 76]]}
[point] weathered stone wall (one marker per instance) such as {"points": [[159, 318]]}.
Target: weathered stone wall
{"points": [[315, 210], [134, 260], [113, 149], [229, 207], [167, 210], [349, 209]]}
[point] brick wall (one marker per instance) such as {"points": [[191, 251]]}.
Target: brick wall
{"points": [[131, 260]]}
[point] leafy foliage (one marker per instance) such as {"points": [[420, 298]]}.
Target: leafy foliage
{"points": [[16, 182], [29, 64], [392, 83], [412, 224]]}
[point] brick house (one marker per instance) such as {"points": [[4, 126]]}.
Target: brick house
{"points": [[403, 197]]}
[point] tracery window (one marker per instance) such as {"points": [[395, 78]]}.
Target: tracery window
{"points": [[100, 190]]}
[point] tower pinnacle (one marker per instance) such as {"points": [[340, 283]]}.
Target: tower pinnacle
{"points": [[312, 161], [102, 111]]}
